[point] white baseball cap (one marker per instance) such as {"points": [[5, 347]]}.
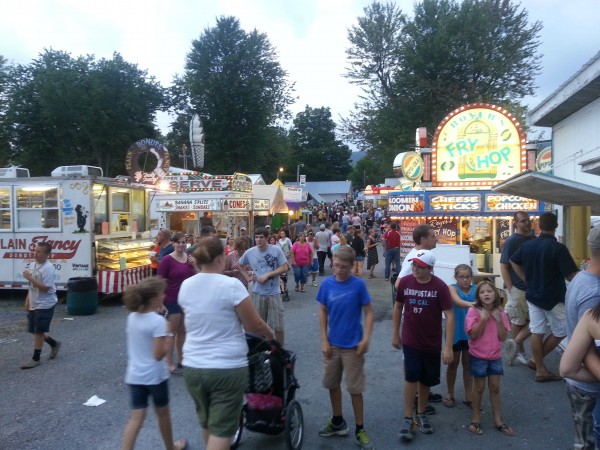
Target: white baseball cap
{"points": [[424, 258]]}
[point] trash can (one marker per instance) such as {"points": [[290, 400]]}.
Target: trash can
{"points": [[82, 296]]}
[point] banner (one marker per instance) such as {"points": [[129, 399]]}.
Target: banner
{"points": [[294, 194]]}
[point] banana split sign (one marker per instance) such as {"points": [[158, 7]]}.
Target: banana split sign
{"points": [[192, 204]]}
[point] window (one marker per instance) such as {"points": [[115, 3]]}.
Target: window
{"points": [[37, 208], [5, 213]]}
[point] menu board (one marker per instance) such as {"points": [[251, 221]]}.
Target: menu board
{"points": [[446, 230], [502, 233], [406, 239]]}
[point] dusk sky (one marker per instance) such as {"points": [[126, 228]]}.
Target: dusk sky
{"points": [[310, 37]]}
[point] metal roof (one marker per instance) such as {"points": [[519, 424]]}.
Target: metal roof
{"points": [[578, 91], [551, 189]]}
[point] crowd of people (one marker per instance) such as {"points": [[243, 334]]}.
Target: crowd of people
{"points": [[208, 294]]}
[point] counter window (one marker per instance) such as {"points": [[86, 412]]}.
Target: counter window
{"points": [[120, 200], [5, 213], [100, 207], [37, 208]]}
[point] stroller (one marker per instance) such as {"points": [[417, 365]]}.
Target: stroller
{"points": [[269, 404], [283, 279]]}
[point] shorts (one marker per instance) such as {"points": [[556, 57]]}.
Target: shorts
{"points": [[482, 368], [270, 309], [540, 319], [173, 307], [582, 407], [314, 267], [516, 308], [344, 360], [141, 392], [359, 258], [460, 346], [38, 320], [219, 397], [421, 366]]}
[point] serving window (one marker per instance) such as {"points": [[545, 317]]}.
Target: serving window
{"points": [[37, 208], [5, 209]]}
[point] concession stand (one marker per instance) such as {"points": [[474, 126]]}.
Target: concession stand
{"points": [[190, 200], [474, 148], [267, 202]]}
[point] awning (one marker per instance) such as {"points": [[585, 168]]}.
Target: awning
{"points": [[551, 189]]}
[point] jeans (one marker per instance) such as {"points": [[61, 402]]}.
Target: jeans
{"points": [[321, 256], [596, 415], [392, 254], [300, 274], [582, 406]]}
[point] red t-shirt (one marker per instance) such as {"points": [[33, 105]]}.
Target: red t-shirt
{"points": [[393, 239], [423, 306]]}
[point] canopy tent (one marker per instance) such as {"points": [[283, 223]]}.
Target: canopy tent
{"points": [[273, 194]]}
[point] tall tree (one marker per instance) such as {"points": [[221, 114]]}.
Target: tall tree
{"points": [[4, 126], [64, 110], [234, 81], [414, 71], [315, 145]]}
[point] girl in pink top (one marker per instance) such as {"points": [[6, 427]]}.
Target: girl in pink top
{"points": [[301, 260], [487, 326]]}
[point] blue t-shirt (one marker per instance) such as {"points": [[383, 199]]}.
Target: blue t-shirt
{"points": [[344, 301], [164, 251], [511, 245], [460, 314], [546, 263], [263, 262]]}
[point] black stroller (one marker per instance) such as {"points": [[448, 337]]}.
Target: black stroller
{"points": [[283, 279], [269, 403]]}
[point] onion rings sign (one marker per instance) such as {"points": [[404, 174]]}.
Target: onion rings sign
{"points": [[147, 147]]}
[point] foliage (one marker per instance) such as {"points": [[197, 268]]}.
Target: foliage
{"points": [[315, 145], [415, 71], [234, 82], [63, 110]]}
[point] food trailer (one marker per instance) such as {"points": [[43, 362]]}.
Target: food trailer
{"points": [[97, 228], [190, 200], [475, 147]]}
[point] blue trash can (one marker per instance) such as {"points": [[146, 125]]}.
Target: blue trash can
{"points": [[82, 296]]}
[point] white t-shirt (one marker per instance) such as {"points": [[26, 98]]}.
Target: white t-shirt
{"points": [[142, 367], [45, 275], [214, 335]]}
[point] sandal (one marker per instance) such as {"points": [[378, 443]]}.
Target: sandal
{"points": [[297, 289], [449, 402], [370, 276], [475, 428], [505, 430], [180, 444], [302, 290]]}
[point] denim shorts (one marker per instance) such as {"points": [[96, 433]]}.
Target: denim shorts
{"points": [[38, 320], [173, 307], [141, 392], [482, 368]]}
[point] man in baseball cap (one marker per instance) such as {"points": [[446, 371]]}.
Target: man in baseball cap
{"points": [[423, 297]]}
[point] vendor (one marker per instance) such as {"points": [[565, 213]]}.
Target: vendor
{"points": [[466, 236]]}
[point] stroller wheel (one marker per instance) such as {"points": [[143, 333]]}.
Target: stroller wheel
{"points": [[294, 425], [237, 437]]}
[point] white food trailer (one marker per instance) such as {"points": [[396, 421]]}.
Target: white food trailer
{"points": [[97, 227]]}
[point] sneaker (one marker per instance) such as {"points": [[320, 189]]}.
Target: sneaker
{"points": [[363, 440], [434, 398], [406, 430], [334, 430], [54, 350], [314, 283], [522, 358], [30, 364], [429, 410], [423, 423], [510, 351]]}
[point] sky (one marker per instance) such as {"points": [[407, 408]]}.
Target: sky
{"points": [[310, 37]]}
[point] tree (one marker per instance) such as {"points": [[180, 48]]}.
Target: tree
{"points": [[415, 71], [4, 142], [65, 110], [315, 145], [234, 82]]}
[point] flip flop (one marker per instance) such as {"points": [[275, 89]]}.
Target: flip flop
{"points": [[548, 377], [505, 430], [475, 428], [449, 402], [531, 365], [302, 290]]}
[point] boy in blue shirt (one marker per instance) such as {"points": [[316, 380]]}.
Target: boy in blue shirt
{"points": [[344, 298]]}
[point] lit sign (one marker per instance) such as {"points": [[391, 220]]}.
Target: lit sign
{"points": [[455, 202], [509, 203], [477, 145], [405, 203], [200, 182], [412, 166], [260, 204], [188, 205]]}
